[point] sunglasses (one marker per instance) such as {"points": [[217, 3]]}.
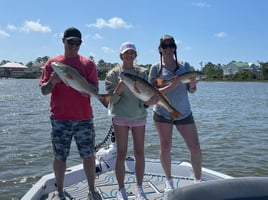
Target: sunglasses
{"points": [[165, 46], [72, 42]]}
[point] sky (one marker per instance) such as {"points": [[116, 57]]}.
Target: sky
{"points": [[217, 31]]}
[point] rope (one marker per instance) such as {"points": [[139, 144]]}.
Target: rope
{"points": [[110, 134]]}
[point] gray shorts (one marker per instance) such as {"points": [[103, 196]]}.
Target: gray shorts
{"points": [[187, 120], [64, 130]]}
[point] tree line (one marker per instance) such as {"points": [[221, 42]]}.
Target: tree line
{"points": [[212, 71], [215, 72]]}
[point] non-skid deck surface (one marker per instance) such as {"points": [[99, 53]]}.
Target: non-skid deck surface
{"points": [[106, 184]]}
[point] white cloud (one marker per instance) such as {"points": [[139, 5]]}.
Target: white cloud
{"points": [[107, 50], [97, 36], [31, 26], [201, 4], [220, 35], [3, 34], [114, 23], [11, 27]]}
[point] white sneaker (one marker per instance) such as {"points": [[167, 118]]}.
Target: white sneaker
{"points": [[122, 194], [140, 195], [197, 181], [169, 185]]}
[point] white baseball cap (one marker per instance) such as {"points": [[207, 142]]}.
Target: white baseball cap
{"points": [[126, 46]]}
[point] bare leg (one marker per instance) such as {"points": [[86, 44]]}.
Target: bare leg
{"points": [[59, 171], [90, 167], [165, 136], [190, 136], [138, 134], [121, 138]]}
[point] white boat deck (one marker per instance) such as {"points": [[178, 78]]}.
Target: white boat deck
{"points": [[75, 184], [106, 185], [215, 185]]}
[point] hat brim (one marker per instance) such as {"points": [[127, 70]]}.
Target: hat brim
{"points": [[168, 39], [127, 50], [69, 38]]}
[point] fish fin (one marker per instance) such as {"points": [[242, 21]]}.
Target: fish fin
{"points": [[68, 76], [159, 82], [136, 87], [162, 82], [65, 82], [105, 99]]}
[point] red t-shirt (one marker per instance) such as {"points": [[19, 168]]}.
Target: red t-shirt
{"points": [[65, 102]]}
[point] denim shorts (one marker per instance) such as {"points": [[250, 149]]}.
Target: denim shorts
{"points": [[187, 120], [64, 130]]}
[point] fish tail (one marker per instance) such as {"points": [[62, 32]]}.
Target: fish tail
{"points": [[175, 114], [105, 99]]}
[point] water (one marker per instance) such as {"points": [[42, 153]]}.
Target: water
{"points": [[231, 118]]}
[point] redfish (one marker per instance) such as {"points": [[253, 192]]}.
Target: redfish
{"points": [[73, 79], [143, 90]]}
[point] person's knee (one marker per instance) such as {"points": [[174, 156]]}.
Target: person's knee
{"points": [[196, 150], [165, 147]]}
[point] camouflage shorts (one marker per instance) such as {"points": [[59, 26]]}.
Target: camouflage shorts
{"points": [[64, 130]]}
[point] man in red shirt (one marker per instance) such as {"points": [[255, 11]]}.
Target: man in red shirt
{"points": [[71, 112]]}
